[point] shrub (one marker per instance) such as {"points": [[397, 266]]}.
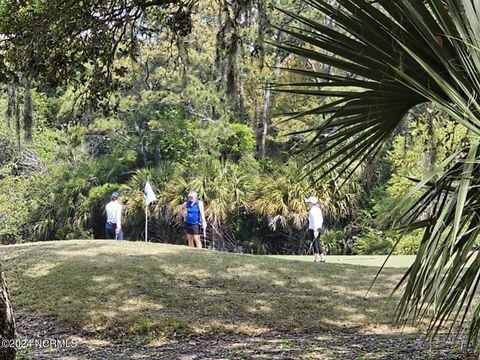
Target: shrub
{"points": [[371, 243], [333, 241], [14, 209], [239, 143], [409, 244]]}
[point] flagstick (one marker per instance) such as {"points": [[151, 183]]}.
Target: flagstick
{"points": [[205, 236], [150, 197], [146, 222]]}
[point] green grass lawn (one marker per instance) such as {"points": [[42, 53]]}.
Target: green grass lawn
{"points": [[397, 261], [136, 288]]}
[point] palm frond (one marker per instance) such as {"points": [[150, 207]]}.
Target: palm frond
{"points": [[397, 59], [388, 56], [445, 274]]}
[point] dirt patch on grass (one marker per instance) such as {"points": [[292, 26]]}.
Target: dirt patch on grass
{"points": [[328, 345]]}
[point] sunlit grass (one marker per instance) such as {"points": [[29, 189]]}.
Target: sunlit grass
{"points": [[108, 285], [397, 261]]}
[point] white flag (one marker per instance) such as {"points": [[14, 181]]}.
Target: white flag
{"points": [[149, 193]]}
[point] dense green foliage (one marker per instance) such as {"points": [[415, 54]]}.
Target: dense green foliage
{"points": [[381, 97], [390, 57], [168, 120]]}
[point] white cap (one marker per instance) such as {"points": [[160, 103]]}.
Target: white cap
{"points": [[312, 200], [192, 194]]}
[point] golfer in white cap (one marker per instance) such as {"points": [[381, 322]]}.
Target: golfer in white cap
{"points": [[315, 224], [194, 219]]}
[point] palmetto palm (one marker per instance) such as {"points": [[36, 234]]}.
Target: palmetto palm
{"points": [[134, 198], [226, 189], [281, 194], [389, 56]]}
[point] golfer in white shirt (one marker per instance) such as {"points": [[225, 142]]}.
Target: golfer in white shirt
{"points": [[315, 224], [113, 227]]}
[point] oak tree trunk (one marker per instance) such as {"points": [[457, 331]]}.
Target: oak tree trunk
{"points": [[28, 110], [12, 100], [17, 116], [13, 109], [267, 100], [7, 322]]}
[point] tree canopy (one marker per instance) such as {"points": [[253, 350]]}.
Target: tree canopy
{"points": [[77, 42], [256, 104]]}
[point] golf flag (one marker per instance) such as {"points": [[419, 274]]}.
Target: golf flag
{"points": [[149, 193]]}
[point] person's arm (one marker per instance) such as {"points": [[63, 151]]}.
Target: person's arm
{"points": [[183, 210], [320, 218], [310, 219], [118, 216], [317, 222], [202, 213]]}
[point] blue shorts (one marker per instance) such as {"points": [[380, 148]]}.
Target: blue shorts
{"points": [[193, 229]]}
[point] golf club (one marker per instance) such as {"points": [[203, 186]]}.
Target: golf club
{"points": [[205, 236], [311, 244], [310, 247]]}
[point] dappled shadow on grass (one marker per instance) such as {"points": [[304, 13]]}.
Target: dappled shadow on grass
{"points": [[236, 346], [127, 288]]}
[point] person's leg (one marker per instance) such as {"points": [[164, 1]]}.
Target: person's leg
{"points": [[108, 232], [198, 241], [120, 235], [188, 230], [313, 242], [321, 250], [317, 249], [190, 240]]}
